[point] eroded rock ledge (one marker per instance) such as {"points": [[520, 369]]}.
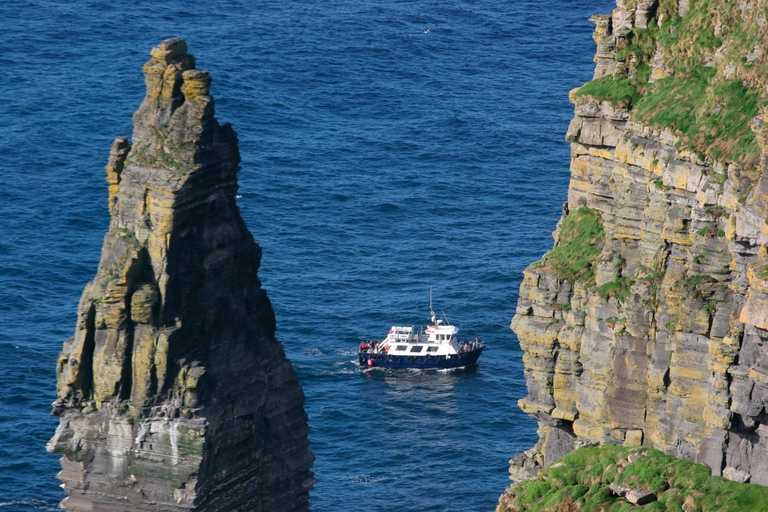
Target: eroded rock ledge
{"points": [[174, 393], [647, 324]]}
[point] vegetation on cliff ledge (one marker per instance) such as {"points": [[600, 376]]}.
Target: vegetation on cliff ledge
{"points": [[581, 480], [580, 243], [699, 74]]}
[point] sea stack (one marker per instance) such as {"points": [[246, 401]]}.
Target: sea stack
{"points": [[647, 323], [174, 393]]}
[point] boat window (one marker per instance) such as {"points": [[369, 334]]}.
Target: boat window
{"points": [[402, 347], [417, 348], [431, 349]]}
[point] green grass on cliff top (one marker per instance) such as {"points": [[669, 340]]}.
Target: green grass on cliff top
{"points": [[708, 101], [586, 473], [620, 92], [580, 243]]}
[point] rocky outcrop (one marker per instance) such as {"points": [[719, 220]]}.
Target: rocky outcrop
{"points": [[647, 324], [620, 478], [174, 393]]}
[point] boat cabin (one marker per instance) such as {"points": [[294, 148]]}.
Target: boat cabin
{"points": [[438, 339]]}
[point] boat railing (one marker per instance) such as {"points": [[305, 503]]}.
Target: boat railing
{"points": [[470, 345], [381, 347], [374, 347]]}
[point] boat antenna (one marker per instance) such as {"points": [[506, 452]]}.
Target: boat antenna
{"points": [[445, 317], [431, 311]]}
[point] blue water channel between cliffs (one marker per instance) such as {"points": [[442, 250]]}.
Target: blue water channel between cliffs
{"points": [[378, 161]]}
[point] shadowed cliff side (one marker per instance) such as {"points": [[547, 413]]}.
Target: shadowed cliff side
{"points": [[174, 392], [647, 323]]}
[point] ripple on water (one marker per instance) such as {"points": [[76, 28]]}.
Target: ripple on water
{"points": [[377, 161]]}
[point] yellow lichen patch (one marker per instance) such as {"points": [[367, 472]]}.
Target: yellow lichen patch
{"points": [[605, 154], [757, 274], [142, 364], [570, 338], [536, 340], [196, 84], [168, 49], [564, 393], [755, 310], [109, 357], [659, 73], [621, 152], [532, 408], [633, 438], [564, 414], [759, 374], [586, 430], [621, 171], [627, 233], [678, 179], [676, 231], [723, 352], [690, 372], [161, 358], [581, 169]]}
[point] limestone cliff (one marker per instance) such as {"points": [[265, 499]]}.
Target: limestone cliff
{"points": [[174, 393], [647, 323]]}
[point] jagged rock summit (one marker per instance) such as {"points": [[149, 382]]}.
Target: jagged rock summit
{"points": [[174, 393]]}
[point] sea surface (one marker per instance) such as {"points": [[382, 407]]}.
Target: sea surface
{"points": [[379, 160]]}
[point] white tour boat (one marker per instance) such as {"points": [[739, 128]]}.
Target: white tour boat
{"points": [[433, 346]]}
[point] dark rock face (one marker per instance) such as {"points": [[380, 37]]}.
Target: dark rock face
{"points": [[174, 392]]}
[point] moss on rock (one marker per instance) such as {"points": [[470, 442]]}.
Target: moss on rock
{"points": [[582, 478], [580, 243]]}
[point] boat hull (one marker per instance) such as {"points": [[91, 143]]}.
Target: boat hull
{"points": [[440, 362]]}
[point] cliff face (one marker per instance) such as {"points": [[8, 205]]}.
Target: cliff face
{"points": [[647, 323], [173, 392]]}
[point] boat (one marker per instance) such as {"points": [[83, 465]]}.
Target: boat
{"points": [[432, 346]]}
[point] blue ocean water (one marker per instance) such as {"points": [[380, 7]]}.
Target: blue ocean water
{"points": [[378, 161]]}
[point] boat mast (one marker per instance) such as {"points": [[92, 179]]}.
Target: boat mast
{"points": [[431, 311]]}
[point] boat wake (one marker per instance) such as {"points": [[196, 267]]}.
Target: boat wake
{"points": [[364, 479], [33, 504]]}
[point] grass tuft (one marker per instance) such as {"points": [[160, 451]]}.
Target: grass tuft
{"points": [[580, 243]]}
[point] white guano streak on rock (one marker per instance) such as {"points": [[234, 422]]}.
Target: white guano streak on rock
{"points": [[174, 435]]}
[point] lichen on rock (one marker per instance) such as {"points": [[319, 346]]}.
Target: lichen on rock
{"points": [[662, 343], [173, 392]]}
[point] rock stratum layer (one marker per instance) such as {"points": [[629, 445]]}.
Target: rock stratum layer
{"points": [[174, 393], [647, 323]]}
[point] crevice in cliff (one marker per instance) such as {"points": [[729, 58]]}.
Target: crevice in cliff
{"points": [[124, 386], [89, 346]]}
